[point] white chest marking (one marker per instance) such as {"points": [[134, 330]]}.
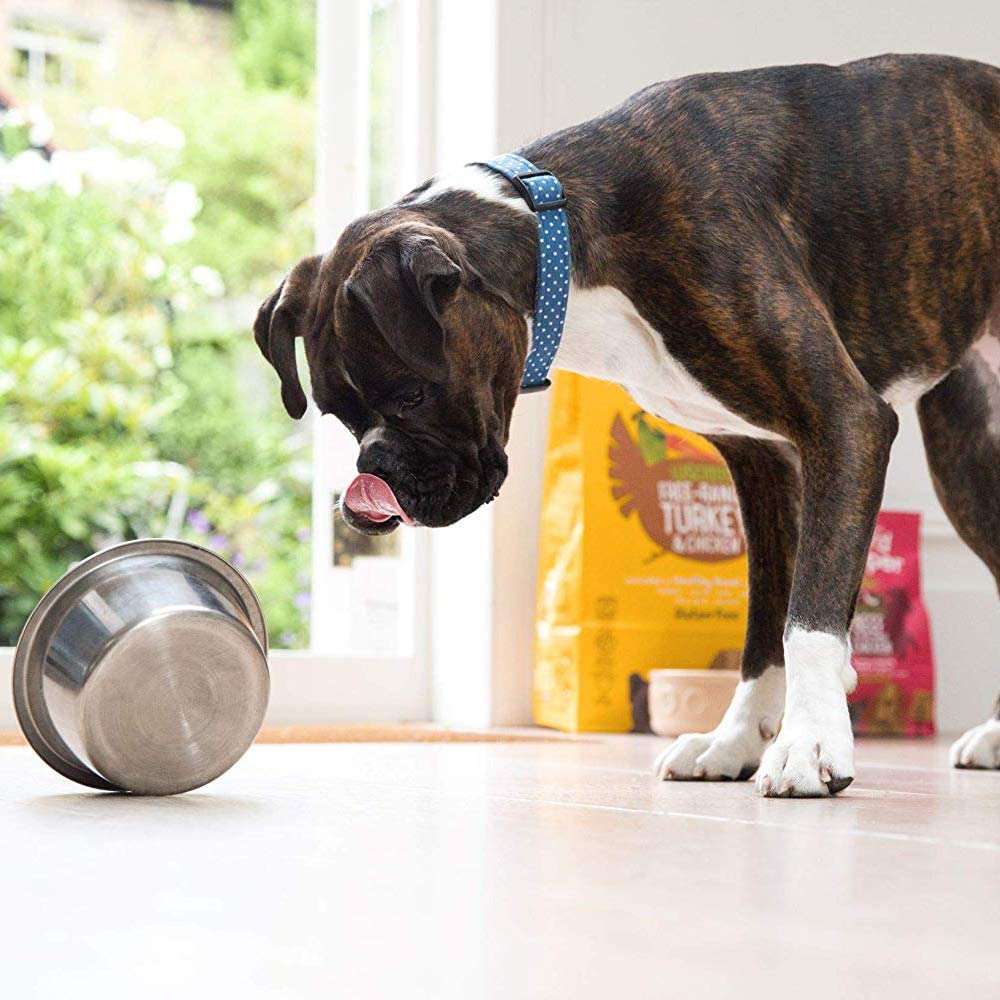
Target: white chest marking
{"points": [[605, 337]]}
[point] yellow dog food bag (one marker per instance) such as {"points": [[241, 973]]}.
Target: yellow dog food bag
{"points": [[642, 561]]}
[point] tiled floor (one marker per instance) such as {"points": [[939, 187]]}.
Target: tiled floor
{"points": [[548, 870]]}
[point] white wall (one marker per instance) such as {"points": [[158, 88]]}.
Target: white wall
{"points": [[560, 61]]}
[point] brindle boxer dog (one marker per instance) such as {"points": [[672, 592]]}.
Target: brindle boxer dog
{"points": [[775, 258]]}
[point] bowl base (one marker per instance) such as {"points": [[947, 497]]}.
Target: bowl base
{"points": [[174, 703]]}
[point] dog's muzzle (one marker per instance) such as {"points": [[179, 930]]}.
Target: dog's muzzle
{"points": [[404, 481]]}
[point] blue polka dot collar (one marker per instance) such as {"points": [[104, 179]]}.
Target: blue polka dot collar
{"points": [[544, 195]]}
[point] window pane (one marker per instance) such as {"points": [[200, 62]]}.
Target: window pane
{"points": [[146, 207], [53, 68], [374, 574], [19, 63], [384, 103]]}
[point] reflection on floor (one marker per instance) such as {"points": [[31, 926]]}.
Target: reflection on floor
{"points": [[517, 870]]}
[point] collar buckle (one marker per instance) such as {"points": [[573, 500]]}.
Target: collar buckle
{"points": [[535, 387], [529, 196]]}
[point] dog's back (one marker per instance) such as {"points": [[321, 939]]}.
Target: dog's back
{"points": [[882, 176]]}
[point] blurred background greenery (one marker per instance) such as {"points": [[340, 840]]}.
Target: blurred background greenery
{"points": [[143, 214]]}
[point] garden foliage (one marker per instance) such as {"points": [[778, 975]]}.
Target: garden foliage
{"points": [[132, 401]]}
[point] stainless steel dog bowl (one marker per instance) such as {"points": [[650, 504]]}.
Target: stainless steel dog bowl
{"points": [[144, 669]]}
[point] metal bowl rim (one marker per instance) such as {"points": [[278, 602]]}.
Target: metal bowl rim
{"points": [[27, 666]]}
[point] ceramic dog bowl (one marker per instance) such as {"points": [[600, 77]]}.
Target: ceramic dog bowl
{"points": [[689, 701], [144, 669]]}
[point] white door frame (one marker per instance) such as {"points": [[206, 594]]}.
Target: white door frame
{"points": [[321, 685]]}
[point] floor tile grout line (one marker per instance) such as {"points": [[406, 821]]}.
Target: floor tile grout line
{"points": [[906, 837]]}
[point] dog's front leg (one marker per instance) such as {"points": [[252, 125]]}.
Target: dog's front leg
{"points": [[843, 460], [766, 477]]}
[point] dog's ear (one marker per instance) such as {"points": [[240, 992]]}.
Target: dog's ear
{"points": [[285, 315], [404, 286]]}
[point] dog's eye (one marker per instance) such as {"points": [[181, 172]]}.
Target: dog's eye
{"points": [[410, 399]]}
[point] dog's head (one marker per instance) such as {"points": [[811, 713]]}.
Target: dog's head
{"points": [[415, 353]]}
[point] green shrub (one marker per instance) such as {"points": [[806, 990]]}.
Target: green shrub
{"points": [[126, 409], [276, 43], [251, 158]]}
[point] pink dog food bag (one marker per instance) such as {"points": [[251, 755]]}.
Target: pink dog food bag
{"points": [[891, 638]]}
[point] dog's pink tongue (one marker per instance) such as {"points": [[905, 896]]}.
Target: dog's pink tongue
{"points": [[372, 498]]}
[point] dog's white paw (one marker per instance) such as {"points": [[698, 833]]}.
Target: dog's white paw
{"points": [[814, 753], [811, 763], [708, 757], [978, 748], [734, 748]]}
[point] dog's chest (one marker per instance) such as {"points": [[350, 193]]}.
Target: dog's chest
{"points": [[605, 337]]}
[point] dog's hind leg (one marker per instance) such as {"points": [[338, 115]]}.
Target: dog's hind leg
{"points": [[960, 419], [979, 747], [766, 477]]}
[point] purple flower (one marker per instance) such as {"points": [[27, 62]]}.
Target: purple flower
{"points": [[217, 542], [197, 520], [238, 560], [302, 600], [303, 535]]}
